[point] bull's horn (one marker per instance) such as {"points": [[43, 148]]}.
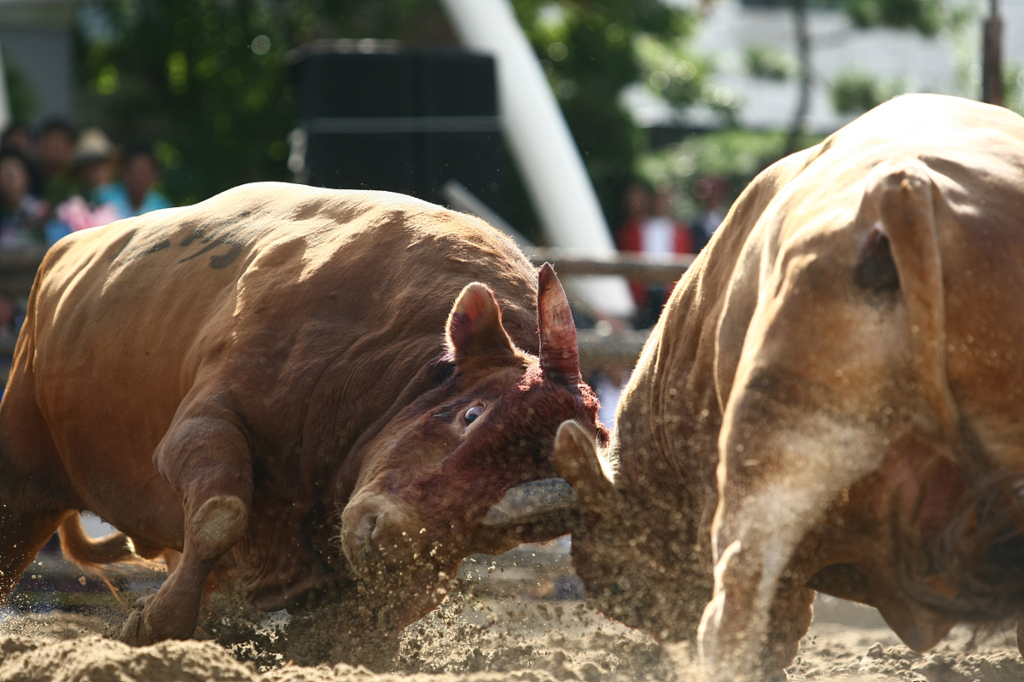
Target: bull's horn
{"points": [[550, 499], [559, 352]]}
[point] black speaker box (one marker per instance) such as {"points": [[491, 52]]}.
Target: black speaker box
{"points": [[380, 117]]}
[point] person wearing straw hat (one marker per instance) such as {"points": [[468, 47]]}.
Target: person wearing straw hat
{"points": [[93, 162]]}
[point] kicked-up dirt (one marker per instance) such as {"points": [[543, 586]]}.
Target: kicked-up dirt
{"points": [[517, 617]]}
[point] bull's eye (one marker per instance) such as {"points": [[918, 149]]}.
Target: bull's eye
{"points": [[470, 415]]}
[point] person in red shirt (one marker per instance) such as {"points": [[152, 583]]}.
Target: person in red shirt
{"points": [[711, 193], [653, 232]]}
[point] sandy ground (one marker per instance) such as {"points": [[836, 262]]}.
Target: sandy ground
{"points": [[520, 620]]}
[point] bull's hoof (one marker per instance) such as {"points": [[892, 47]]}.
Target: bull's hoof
{"points": [[134, 631]]}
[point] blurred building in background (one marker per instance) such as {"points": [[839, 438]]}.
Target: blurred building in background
{"points": [[753, 46], [37, 44], [751, 42], [218, 111]]}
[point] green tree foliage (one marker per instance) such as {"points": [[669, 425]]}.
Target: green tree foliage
{"points": [[591, 50], [207, 79], [732, 154], [204, 80], [22, 97], [924, 16], [769, 63], [1013, 87], [854, 92]]}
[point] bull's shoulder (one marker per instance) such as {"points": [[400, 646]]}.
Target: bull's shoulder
{"points": [[330, 219]]}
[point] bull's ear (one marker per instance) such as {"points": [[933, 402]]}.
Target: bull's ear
{"points": [[474, 327], [559, 352], [876, 270]]}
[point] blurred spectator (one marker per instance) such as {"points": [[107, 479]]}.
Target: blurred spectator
{"points": [[136, 193], [21, 224], [657, 233], [608, 384], [22, 215], [76, 214], [55, 145], [94, 162], [19, 136], [710, 192], [636, 205]]}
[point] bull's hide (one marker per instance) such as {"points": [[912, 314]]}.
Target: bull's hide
{"points": [[831, 400], [309, 391]]}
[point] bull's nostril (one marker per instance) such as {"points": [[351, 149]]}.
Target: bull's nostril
{"points": [[370, 528], [378, 527]]}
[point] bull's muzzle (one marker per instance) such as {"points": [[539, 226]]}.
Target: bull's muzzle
{"points": [[379, 535], [369, 530]]}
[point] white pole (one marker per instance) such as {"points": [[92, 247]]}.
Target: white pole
{"points": [[5, 102], [542, 145]]}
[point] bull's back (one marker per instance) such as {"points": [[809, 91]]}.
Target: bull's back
{"points": [[245, 299], [124, 316]]}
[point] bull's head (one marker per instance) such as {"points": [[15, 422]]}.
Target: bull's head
{"points": [[466, 468], [637, 554]]}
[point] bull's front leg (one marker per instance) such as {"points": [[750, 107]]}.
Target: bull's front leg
{"points": [[773, 490], [208, 461], [752, 626]]}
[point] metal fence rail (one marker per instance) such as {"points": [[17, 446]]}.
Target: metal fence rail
{"points": [[647, 267], [598, 350], [18, 269]]}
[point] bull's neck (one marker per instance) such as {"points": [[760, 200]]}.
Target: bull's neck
{"points": [[669, 417]]}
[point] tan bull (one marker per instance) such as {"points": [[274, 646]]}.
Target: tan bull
{"points": [[831, 401], [315, 391]]}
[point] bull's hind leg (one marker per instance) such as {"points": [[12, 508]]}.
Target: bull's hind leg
{"points": [[35, 493], [207, 460], [23, 532]]}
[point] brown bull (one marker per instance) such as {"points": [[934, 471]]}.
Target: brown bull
{"points": [[831, 401], [276, 381]]}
